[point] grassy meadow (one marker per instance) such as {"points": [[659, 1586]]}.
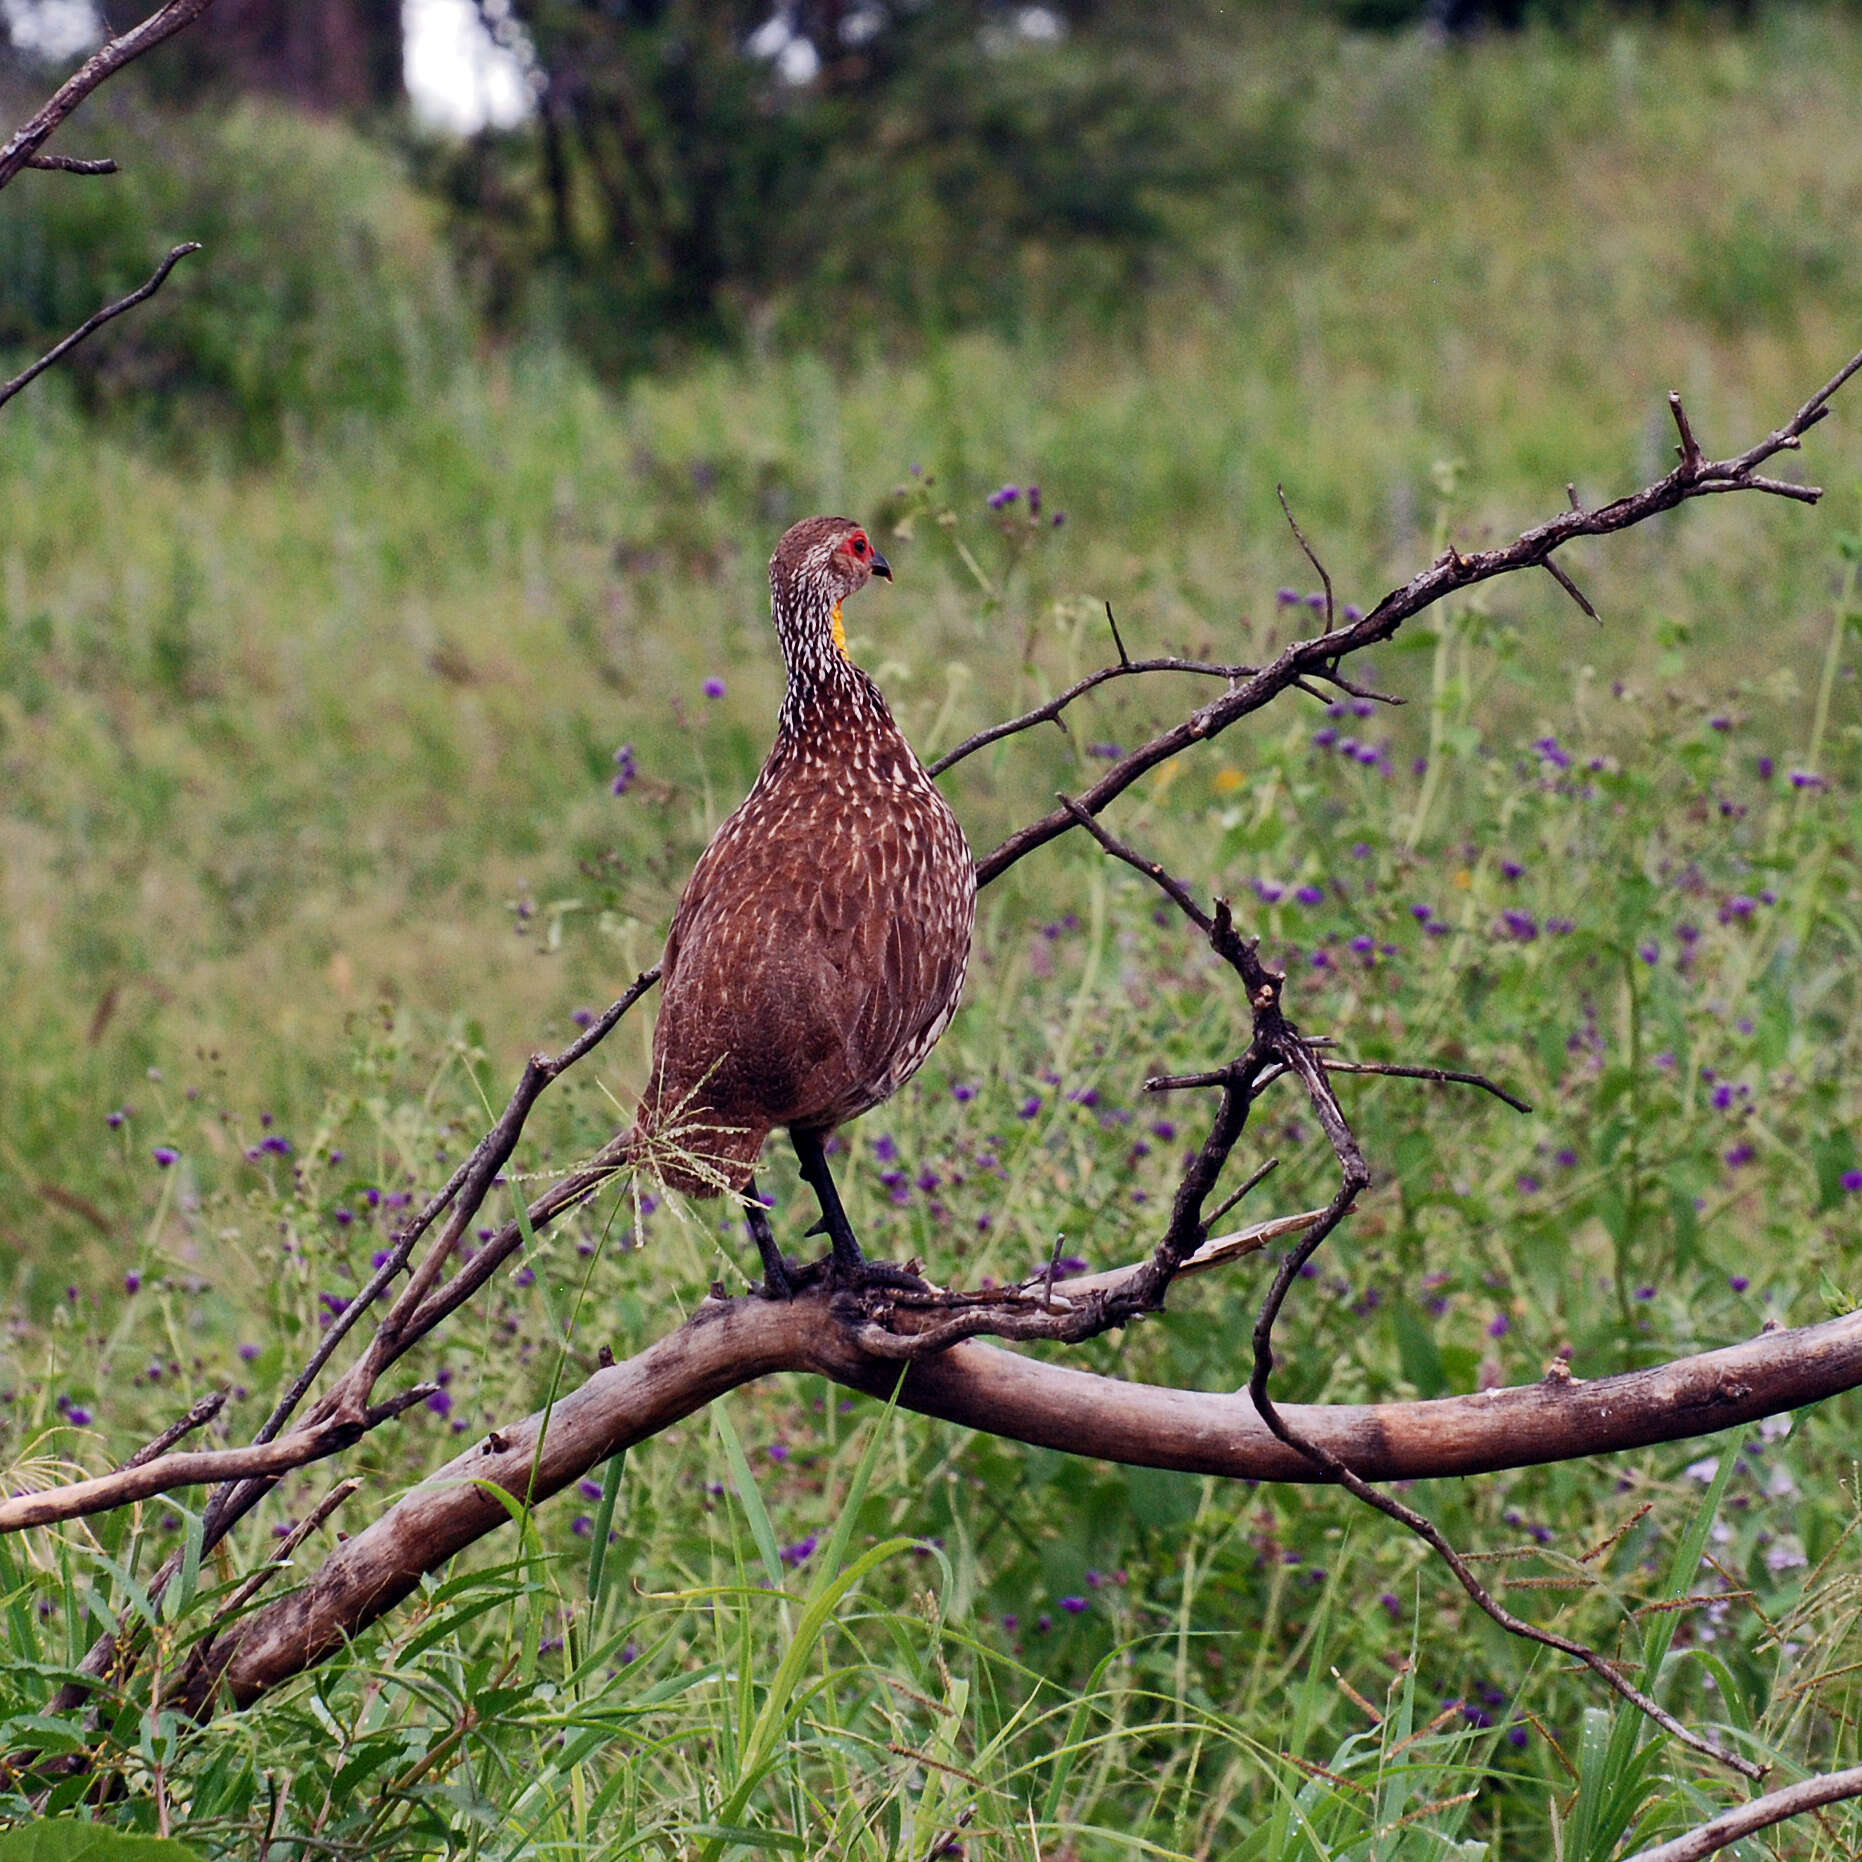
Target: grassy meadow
{"points": [[310, 831]]}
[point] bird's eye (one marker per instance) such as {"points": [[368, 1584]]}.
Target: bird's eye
{"points": [[858, 545]]}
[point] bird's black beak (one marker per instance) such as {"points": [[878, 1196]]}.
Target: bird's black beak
{"points": [[881, 566]]}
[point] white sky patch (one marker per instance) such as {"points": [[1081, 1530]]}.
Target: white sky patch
{"points": [[794, 56], [55, 30], [458, 77]]}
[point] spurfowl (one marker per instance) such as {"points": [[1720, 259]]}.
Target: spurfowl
{"points": [[820, 945]]}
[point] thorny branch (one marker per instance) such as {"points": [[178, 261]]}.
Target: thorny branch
{"points": [[1320, 657], [1279, 1040], [859, 1338], [251, 1473]]}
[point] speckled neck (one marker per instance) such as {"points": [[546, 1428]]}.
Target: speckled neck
{"points": [[821, 676]]}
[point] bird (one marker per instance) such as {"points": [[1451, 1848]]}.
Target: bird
{"points": [[819, 948]]}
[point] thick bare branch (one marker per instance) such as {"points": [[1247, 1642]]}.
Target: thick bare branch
{"points": [[732, 1342]]}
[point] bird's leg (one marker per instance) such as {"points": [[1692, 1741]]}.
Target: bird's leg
{"points": [[849, 1263], [812, 1156], [777, 1281]]}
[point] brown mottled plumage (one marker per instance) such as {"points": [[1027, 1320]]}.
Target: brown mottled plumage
{"points": [[819, 948]]}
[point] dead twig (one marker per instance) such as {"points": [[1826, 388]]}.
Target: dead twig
{"points": [[108, 59], [165, 1473], [140, 295], [1050, 712], [72, 165]]}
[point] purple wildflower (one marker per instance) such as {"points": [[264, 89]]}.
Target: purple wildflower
{"points": [[165, 1154], [715, 687], [1003, 497], [626, 769]]}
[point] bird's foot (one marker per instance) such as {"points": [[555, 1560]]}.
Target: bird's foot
{"points": [[858, 1275]]}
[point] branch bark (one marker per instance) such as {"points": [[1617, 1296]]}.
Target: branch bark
{"points": [[108, 59], [142, 1480], [1731, 1826]]}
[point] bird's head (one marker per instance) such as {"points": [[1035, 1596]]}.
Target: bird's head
{"points": [[818, 564]]}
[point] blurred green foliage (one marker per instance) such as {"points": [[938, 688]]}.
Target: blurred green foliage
{"points": [[946, 165], [324, 290]]}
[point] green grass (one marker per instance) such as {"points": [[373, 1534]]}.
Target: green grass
{"points": [[307, 816]]}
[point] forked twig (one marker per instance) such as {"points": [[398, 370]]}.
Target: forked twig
{"points": [[1050, 712], [108, 59]]}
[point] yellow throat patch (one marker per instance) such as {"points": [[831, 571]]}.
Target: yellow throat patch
{"points": [[840, 632]]}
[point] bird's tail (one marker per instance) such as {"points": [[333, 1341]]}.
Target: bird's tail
{"points": [[684, 1144]]}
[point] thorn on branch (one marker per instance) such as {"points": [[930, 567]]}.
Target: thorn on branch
{"points": [[1571, 588], [1370, 693], [1442, 1076], [1300, 537], [1689, 449], [203, 1412], [1254, 1182], [1124, 658], [1571, 496]]}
